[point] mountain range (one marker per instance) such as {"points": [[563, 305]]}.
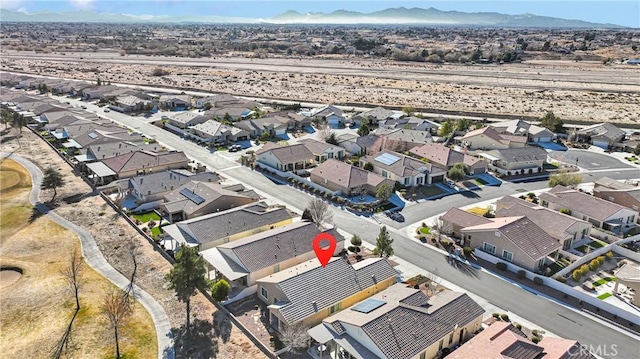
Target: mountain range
{"points": [[392, 16]]}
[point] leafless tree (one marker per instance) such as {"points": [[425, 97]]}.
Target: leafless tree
{"points": [[432, 284], [440, 227], [320, 212], [295, 337], [131, 247], [117, 310], [72, 274]]}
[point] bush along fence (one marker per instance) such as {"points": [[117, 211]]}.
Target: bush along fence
{"points": [[559, 286]]}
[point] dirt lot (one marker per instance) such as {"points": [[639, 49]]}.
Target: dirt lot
{"points": [[584, 91], [38, 306], [110, 233]]}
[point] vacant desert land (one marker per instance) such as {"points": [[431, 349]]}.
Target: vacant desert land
{"points": [[37, 307], [585, 91]]}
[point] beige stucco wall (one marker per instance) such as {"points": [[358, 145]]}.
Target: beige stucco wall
{"points": [[127, 174], [478, 238], [484, 142], [618, 197]]}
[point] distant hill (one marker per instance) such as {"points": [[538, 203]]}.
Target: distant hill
{"points": [[401, 15]]}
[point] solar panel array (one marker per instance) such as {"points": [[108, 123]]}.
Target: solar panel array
{"points": [[191, 196], [387, 159], [93, 135], [369, 305]]}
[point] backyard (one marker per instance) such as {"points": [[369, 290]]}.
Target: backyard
{"points": [[593, 245]]}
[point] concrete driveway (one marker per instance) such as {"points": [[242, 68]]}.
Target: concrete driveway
{"points": [[588, 160]]}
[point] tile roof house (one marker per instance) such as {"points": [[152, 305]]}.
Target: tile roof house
{"points": [[445, 157], [565, 229], [273, 126], [198, 198], [103, 150], [329, 113], [361, 145], [215, 132], [617, 192], [244, 261], [140, 162], [308, 292], [603, 135], [374, 116], [217, 228], [599, 212], [533, 133], [285, 158], [235, 113], [411, 123], [514, 239], [322, 151], [187, 119], [487, 138], [400, 323], [148, 190], [175, 102], [455, 219], [516, 160], [297, 120], [128, 103], [401, 139], [347, 179], [504, 340], [405, 170]]}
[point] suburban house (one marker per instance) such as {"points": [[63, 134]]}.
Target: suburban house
{"points": [[272, 126], [514, 239], [136, 163], [504, 340], [401, 140], [603, 135], [374, 116], [95, 92], [175, 102], [217, 228], [410, 123], [322, 151], [147, 191], [361, 145], [128, 103], [400, 323], [244, 261], [487, 138], [187, 119], [215, 132], [599, 212], [405, 170], [445, 157], [331, 114], [230, 113], [455, 219], [294, 120], [565, 229], [197, 198], [201, 102], [307, 293], [101, 151], [523, 160], [285, 158], [617, 192], [347, 179], [533, 133]]}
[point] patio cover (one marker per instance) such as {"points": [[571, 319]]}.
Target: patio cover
{"points": [[84, 158], [229, 269], [488, 156], [100, 169], [72, 144], [323, 335]]}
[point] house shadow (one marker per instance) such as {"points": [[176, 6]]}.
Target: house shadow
{"points": [[470, 194], [197, 343]]}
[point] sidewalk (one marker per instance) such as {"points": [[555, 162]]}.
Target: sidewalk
{"points": [[94, 258]]}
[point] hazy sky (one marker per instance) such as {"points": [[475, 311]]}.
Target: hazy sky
{"points": [[625, 12]]}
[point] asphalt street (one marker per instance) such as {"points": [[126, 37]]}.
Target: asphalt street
{"points": [[556, 318], [588, 160]]}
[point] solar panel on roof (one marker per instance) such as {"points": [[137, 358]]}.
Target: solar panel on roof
{"points": [[387, 159], [191, 196], [369, 305], [93, 135]]}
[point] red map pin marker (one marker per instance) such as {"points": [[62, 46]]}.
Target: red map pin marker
{"points": [[324, 254]]}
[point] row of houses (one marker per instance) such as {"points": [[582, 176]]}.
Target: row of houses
{"points": [[531, 235]]}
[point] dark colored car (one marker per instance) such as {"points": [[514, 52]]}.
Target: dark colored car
{"points": [[396, 216]]}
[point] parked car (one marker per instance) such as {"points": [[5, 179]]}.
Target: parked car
{"points": [[235, 148], [107, 110], [83, 107], [396, 216]]}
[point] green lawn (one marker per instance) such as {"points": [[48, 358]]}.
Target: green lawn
{"points": [[594, 245], [480, 181], [155, 231], [425, 230], [146, 217], [604, 296], [602, 281]]}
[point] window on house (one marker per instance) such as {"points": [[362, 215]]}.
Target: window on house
{"points": [[441, 344], [264, 293], [276, 268], [384, 174], [419, 180], [330, 155], [450, 338], [335, 308], [423, 356], [545, 204], [611, 198], [507, 255], [275, 300], [635, 208], [489, 248], [406, 180]]}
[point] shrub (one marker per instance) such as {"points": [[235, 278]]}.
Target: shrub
{"points": [[535, 333], [560, 279], [522, 274], [538, 280], [445, 242], [504, 317], [496, 315], [519, 326], [467, 251], [594, 264], [608, 256], [535, 340], [576, 274], [501, 266]]}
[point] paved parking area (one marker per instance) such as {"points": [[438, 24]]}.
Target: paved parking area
{"points": [[588, 160]]}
